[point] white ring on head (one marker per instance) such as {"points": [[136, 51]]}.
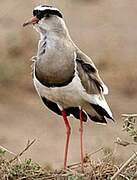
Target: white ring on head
{"points": [[45, 8]]}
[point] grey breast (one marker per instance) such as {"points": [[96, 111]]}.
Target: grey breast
{"points": [[55, 63]]}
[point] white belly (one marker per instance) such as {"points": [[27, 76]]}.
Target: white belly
{"points": [[66, 96], [72, 95]]}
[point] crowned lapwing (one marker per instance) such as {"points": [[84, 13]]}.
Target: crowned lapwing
{"points": [[65, 78]]}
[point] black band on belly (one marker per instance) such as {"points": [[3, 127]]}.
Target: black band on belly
{"points": [[54, 84], [75, 111]]}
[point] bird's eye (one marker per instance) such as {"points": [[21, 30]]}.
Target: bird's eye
{"points": [[39, 14], [35, 12]]}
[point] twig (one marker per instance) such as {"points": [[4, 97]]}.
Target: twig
{"points": [[98, 150], [124, 165], [35, 176], [1, 147], [131, 167], [123, 176], [124, 143], [24, 150], [88, 155], [129, 115], [10, 152]]}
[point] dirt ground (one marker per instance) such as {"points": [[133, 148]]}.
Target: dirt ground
{"points": [[106, 31]]}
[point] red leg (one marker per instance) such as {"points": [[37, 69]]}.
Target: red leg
{"points": [[81, 138], [68, 128]]}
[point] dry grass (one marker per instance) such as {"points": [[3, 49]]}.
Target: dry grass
{"points": [[29, 170], [106, 168]]}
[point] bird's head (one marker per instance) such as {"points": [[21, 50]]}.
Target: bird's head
{"points": [[46, 18]]}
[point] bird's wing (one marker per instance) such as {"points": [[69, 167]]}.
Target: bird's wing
{"points": [[89, 76], [93, 85]]}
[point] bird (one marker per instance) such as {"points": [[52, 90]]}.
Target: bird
{"points": [[65, 78]]}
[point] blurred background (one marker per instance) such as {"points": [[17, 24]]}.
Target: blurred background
{"points": [[104, 30]]}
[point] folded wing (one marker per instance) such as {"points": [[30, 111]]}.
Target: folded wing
{"points": [[95, 89]]}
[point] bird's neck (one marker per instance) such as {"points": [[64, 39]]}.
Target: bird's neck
{"points": [[52, 32], [52, 40], [54, 35]]}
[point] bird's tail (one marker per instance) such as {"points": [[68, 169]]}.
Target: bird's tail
{"points": [[98, 109]]}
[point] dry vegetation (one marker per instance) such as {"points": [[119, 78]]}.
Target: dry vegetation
{"points": [[106, 168]]}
